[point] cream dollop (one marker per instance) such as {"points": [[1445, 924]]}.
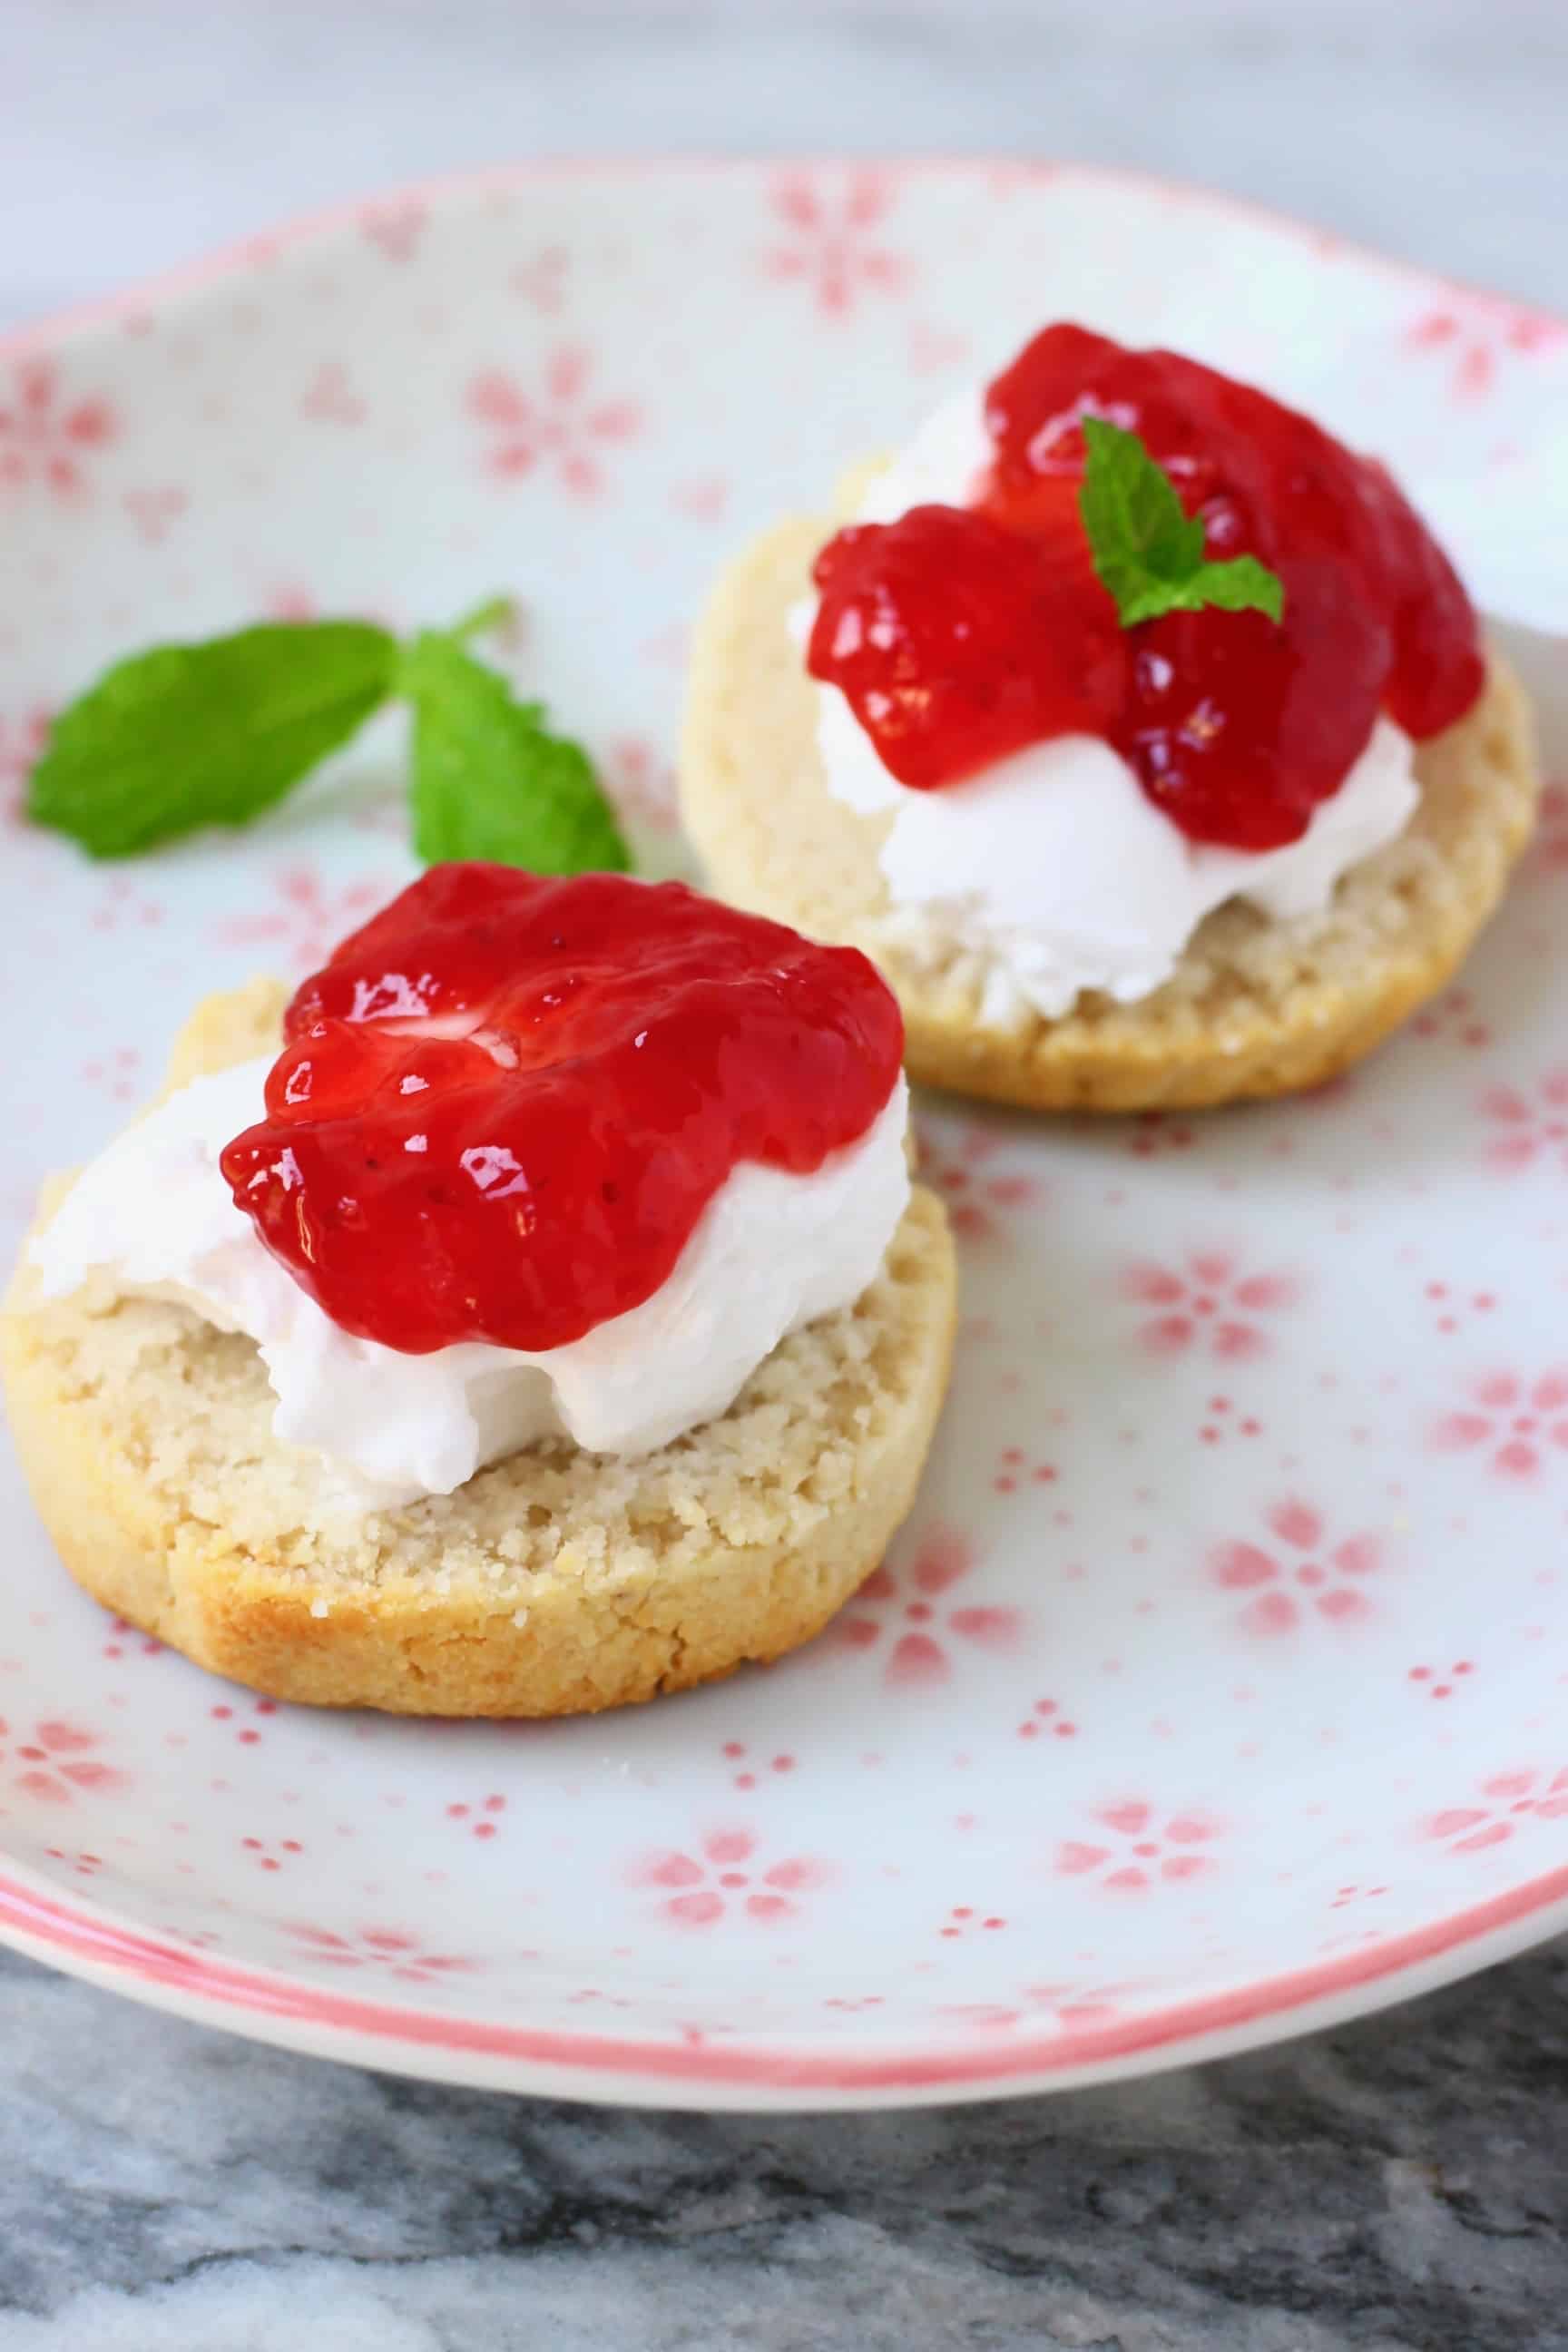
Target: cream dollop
{"points": [[152, 1217], [1051, 868]]}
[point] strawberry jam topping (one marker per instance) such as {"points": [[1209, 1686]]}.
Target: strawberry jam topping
{"points": [[959, 635], [948, 629], [502, 1107]]}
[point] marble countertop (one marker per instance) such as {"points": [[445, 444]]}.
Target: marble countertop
{"points": [[138, 133], [1398, 2186]]}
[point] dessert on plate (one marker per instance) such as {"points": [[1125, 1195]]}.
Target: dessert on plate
{"points": [[534, 1314], [1139, 731]]}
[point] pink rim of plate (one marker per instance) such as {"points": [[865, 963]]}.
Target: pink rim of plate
{"points": [[283, 2010]]}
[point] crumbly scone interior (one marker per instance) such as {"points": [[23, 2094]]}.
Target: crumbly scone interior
{"points": [[184, 1412]]}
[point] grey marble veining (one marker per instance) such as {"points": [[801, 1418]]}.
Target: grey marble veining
{"points": [[1399, 2186]]}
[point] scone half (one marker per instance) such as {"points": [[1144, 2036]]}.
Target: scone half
{"points": [[1255, 1008], [555, 1582]]}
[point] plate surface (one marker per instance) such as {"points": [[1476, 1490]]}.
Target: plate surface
{"points": [[1216, 1688]]}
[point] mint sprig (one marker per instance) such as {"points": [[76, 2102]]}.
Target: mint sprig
{"points": [[1147, 552], [489, 781], [184, 737], [188, 736]]}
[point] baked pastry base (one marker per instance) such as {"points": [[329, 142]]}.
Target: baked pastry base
{"points": [[554, 1583], [1255, 1007]]}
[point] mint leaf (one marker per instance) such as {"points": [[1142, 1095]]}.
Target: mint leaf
{"points": [[488, 779], [1147, 552], [187, 736], [1136, 527], [1241, 584]]}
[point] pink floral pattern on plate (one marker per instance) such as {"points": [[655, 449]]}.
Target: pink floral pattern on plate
{"points": [[1301, 1570], [47, 433], [1548, 852], [1472, 338], [728, 1878], [1505, 1803], [832, 243], [22, 740], [642, 781], [56, 1762], [395, 1952], [1512, 1423], [307, 916], [395, 229], [563, 430], [1209, 1304], [154, 512], [1136, 1848], [935, 1635], [329, 397], [980, 1195], [541, 279], [1528, 1123]]}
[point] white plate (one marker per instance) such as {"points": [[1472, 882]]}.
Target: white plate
{"points": [[1216, 1688]]}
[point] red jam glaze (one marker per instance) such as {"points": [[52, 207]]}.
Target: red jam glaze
{"points": [[1237, 727], [503, 1105], [946, 628]]}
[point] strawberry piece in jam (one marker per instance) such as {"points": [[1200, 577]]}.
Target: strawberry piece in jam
{"points": [[956, 642], [1228, 730], [504, 1104], [1035, 412], [1236, 726], [1438, 668]]}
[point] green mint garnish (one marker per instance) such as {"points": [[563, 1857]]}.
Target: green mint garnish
{"points": [[489, 781], [192, 735], [187, 736], [1146, 551]]}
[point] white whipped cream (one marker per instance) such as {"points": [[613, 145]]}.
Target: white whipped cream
{"points": [[1051, 868], [152, 1217]]}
